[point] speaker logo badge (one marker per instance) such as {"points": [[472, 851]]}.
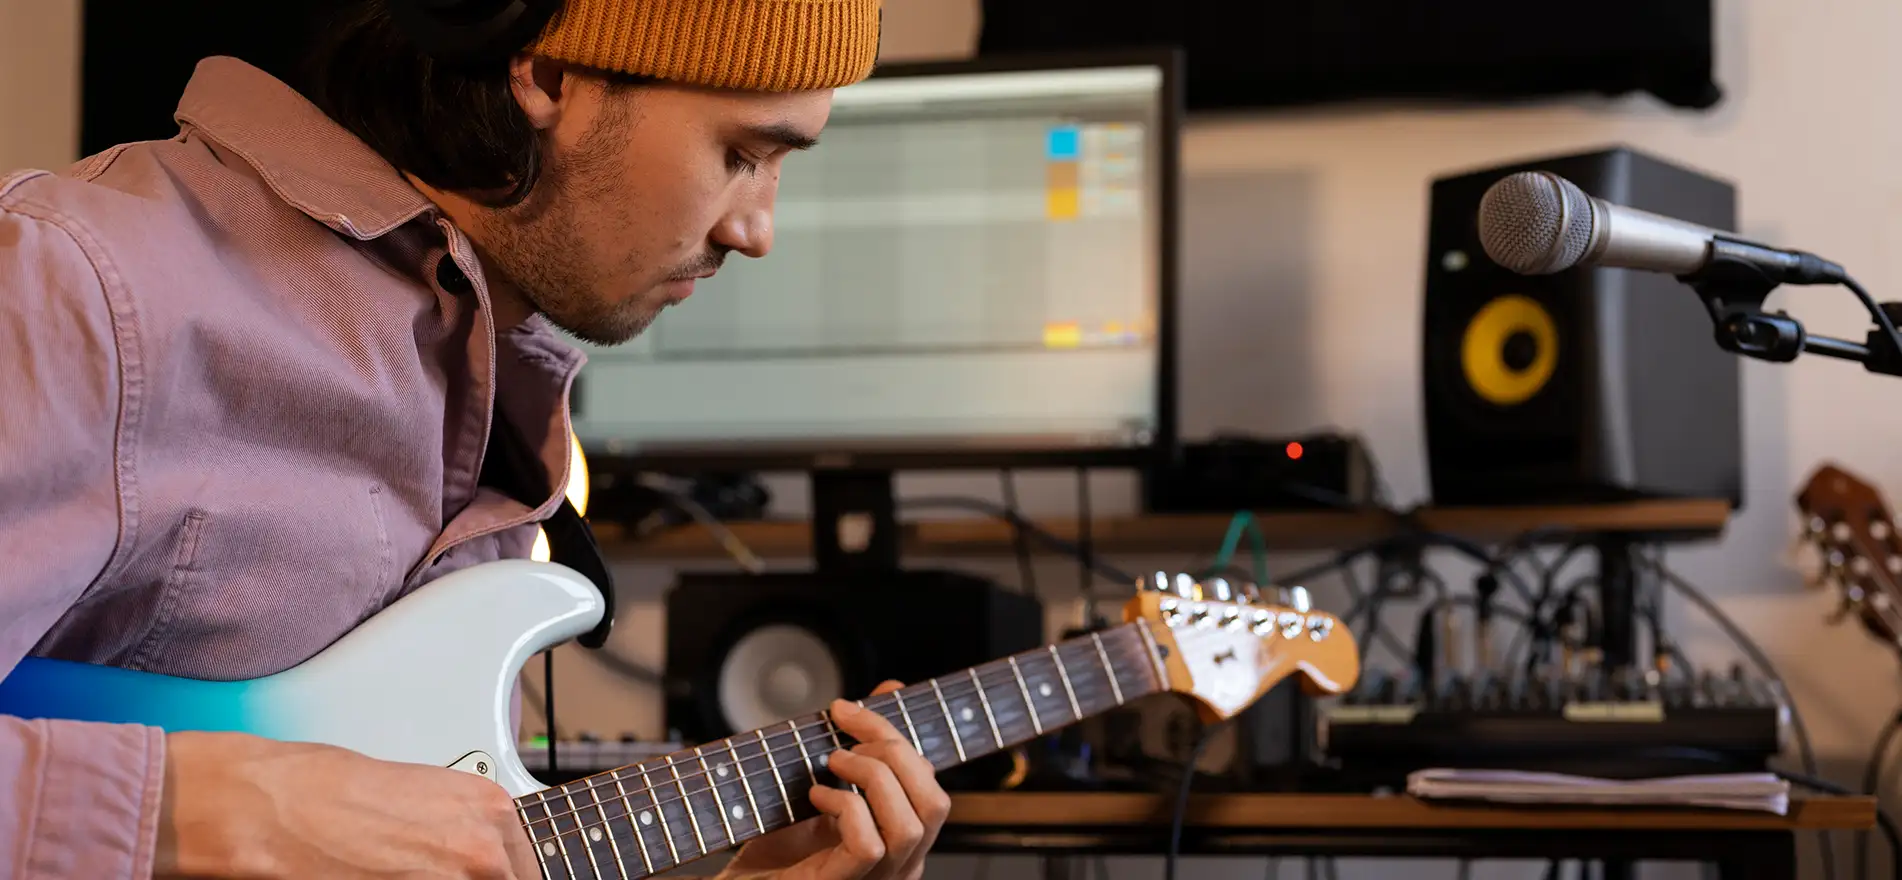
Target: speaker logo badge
{"points": [[1510, 350]]}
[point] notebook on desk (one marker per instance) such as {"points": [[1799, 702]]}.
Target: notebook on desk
{"points": [[1762, 792]]}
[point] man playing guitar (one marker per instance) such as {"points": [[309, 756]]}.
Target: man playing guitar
{"points": [[254, 381]]}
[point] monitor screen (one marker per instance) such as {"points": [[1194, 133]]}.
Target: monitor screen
{"points": [[971, 261]]}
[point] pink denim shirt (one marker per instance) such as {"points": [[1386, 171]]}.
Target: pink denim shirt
{"points": [[246, 382]]}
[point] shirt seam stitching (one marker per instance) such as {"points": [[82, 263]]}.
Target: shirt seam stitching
{"points": [[126, 347]]}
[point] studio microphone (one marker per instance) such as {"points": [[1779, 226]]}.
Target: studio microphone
{"points": [[1538, 223]]}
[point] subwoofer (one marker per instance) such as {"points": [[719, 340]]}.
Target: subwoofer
{"points": [[746, 651], [1589, 385]]}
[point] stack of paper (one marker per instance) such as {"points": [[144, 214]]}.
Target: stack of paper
{"points": [[1737, 791]]}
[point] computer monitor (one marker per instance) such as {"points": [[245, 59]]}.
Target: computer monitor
{"points": [[974, 268]]}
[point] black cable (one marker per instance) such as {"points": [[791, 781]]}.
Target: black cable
{"points": [[1182, 800], [1872, 785], [1086, 548], [1762, 661], [1026, 569], [548, 705], [1810, 780], [1881, 317], [1095, 563]]}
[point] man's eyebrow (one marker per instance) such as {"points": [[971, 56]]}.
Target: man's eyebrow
{"points": [[782, 134]]}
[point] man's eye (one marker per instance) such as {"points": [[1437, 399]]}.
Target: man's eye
{"points": [[737, 161]]}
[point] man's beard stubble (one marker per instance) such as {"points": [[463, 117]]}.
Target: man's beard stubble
{"points": [[533, 245]]}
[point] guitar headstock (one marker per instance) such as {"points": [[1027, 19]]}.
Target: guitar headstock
{"points": [[1225, 646], [1847, 520]]}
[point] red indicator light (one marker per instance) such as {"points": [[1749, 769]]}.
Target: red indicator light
{"points": [[1294, 451]]}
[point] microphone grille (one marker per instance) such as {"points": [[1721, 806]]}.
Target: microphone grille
{"points": [[1535, 223]]}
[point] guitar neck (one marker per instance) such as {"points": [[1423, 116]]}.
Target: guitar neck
{"points": [[649, 817]]}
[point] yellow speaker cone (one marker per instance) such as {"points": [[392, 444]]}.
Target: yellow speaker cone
{"points": [[1510, 350]]}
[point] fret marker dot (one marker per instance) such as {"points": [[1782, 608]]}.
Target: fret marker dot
{"points": [[965, 714], [548, 849], [721, 770], [647, 818], [594, 834], [822, 759], [739, 812], [1043, 690]]}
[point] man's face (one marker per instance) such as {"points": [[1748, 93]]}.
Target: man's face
{"points": [[645, 190]]}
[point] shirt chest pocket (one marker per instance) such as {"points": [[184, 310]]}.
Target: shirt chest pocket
{"points": [[254, 585]]}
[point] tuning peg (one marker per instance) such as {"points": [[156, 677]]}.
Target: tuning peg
{"points": [[1299, 600], [1219, 590], [1186, 587], [1248, 594]]}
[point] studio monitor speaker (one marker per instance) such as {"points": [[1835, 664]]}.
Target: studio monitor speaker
{"points": [[1589, 385], [748, 651]]}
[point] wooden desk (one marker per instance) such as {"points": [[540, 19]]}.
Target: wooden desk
{"points": [[1189, 533], [1060, 825], [1258, 811]]}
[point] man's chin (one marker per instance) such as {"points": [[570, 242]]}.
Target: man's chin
{"points": [[605, 331]]}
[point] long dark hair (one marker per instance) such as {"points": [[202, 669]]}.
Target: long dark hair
{"points": [[457, 128]]}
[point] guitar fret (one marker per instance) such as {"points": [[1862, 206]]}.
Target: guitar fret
{"points": [[949, 723], [1116, 690], [1024, 689], [529, 824], [561, 845], [627, 807], [719, 803], [766, 751], [837, 746], [909, 726], [1155, 654], [581, 837], [666, 833], [1063, 675], [739, 766], [687, 805], [988, 714], [607, 829]]}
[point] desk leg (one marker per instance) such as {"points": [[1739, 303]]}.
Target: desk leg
{"points": [[1772, 859]]}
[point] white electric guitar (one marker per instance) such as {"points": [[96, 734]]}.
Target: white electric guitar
{"points": [[430, 680]]}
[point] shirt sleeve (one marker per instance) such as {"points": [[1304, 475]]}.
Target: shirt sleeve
{"points": [[76, 799]]}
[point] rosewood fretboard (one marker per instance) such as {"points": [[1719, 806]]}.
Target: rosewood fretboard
{"points": [[649, 817]]}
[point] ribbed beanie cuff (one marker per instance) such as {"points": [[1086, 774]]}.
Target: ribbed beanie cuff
{"points": [[767, 45]]}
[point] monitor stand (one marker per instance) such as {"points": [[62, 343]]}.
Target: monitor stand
{"points": [[854, 523]]}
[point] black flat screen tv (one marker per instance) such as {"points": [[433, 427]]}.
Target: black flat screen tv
{"points": [[1244, 54]]}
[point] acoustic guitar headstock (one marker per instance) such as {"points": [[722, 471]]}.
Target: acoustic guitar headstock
{"points": [[1225, 646], [1847, 520]]}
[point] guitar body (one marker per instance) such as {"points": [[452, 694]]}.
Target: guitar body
{"points": [[430, 680]]}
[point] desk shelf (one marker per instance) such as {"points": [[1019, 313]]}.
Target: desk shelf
{"points": [[1189, 533]]}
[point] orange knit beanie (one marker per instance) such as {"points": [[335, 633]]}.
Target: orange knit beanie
{"points": [[769, 45]]}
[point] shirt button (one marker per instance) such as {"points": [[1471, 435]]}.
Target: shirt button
{"points": [[449, 276]]}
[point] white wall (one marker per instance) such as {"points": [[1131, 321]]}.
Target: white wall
{"points": [[1317, 277]]}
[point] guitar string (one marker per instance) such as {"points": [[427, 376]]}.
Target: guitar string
{"points": [[769, 804], [823, 725], [1197, 633], [637, 839], [960, 686]]}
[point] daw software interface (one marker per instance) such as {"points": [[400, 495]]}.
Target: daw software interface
{"points": [[966, 260]]}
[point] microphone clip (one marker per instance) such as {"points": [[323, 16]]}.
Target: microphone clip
{"points": [[1733, 286]]}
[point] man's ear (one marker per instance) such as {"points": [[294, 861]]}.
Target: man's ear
{"points": [[539, 85]]}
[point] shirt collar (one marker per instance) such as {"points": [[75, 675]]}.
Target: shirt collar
{"points": [[309, 160]]}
